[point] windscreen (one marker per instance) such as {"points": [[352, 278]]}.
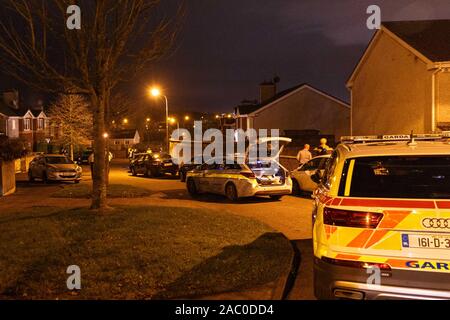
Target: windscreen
{"points": [[416, 177], [58, 160]]}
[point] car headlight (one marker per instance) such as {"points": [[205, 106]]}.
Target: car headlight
{"points": [[51, 170]]}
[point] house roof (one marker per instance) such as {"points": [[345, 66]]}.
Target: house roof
{"points": [[429, 37], [249, 109], [123, 134], [7, 111]]}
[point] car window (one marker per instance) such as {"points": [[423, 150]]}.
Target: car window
{"points": [[312, 165], [409, 177], [329, 169], [58, 160], [323, 163]]}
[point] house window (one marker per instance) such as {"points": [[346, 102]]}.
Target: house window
{"points": [[117, 142], [41, 124], [127, 142], [27, 124]]}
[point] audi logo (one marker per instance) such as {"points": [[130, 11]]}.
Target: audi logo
{"points": [[436, 223]]}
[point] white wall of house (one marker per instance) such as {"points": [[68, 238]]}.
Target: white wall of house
{"points": [[13, 127]]}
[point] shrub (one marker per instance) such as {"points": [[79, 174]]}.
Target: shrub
{"points": [[11, 149]]}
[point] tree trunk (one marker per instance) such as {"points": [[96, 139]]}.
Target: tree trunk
{"points": [[99, 185]]}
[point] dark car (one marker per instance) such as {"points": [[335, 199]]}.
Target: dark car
{"points": [[154, 164], [134, 158], [83, 157]]}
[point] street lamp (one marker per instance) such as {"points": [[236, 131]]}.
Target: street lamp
{"points": [[156, 93]]}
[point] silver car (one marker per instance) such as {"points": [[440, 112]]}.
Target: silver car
{"points": [[264, 177], [54, 168], [301, 177]]}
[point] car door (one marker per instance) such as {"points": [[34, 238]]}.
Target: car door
{"points": [[140, 163], [200, 178], [305, 173]]}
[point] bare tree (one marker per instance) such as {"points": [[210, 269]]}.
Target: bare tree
{"points": [[73, 118], [117, 40]]}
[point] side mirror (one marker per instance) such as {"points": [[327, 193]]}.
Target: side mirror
{"points": [[317, 177]]}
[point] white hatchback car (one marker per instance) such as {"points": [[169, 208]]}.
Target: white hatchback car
{"points": [[301, 177]]}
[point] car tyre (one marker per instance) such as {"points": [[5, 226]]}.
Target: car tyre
{"points": [[295, 188], [182, 176], [231, 192], [276, 198], [191, 187], [30, 176], [44, 177]]}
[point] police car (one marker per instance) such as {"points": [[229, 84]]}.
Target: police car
{"points": [[381, 219], [242, 178]]}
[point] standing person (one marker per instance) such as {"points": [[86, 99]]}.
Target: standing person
{"points": [[91, 162], [323, 149], [304, 155]]}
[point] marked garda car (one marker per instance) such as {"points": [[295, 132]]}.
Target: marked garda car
{"points": [[241, 179], [382, 219], [302, 176]]}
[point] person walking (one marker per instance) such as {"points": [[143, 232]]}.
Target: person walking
{"points": [[304, 155], [91, 163]]}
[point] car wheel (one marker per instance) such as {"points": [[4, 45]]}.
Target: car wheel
{"points": [[231, 192], [30, 176], [192, 188], [276, 198], [182, 176], [295, 187], [44, 177]]}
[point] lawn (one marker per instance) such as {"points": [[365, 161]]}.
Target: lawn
{"points": [[136, 253], [84, 191]]}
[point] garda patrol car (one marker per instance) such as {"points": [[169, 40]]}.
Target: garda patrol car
{"points": [[241, 179], [382, 219]]}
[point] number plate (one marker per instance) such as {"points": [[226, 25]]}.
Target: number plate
{"points": [[426, 241]]}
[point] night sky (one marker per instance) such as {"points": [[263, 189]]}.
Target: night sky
{"points": [[227, 47]]}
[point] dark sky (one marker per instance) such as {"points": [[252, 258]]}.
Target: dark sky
{"points": [[229, 46]]}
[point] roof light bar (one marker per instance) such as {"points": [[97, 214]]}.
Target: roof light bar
{"points": [[399, 137]]}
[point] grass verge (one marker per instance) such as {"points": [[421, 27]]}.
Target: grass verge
{"points": [[136, 253], [84, 191]]}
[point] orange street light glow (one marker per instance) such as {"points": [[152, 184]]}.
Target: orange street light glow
{"points": [[155, 92], [105, 135]]}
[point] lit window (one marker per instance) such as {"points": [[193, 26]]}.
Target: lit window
{"points": [[27, 124], [41, 124], [13, 124]]}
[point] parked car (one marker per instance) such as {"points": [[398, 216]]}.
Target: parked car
{"points": [[240, 179], [154, 164], [301, 177], [54, 168], [134, 158], [83, 157]]}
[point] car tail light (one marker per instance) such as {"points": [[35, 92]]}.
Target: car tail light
{"points": [[357, 264], [249, 175], [351, 219]]}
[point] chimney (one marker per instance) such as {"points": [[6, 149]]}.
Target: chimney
{"points": [[11, 98], [268, 89]]}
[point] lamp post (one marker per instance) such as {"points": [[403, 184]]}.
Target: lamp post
{"points": [[155, 92]]}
